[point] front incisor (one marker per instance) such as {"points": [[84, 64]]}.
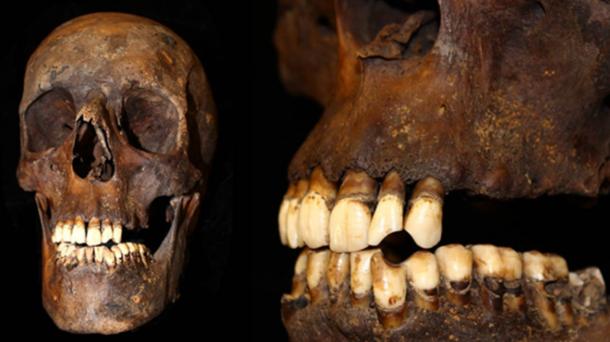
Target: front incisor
{"points": [[314, 211], [292, 215], [424, 218], [388, 214]]}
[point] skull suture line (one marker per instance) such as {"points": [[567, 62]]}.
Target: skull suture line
{"points": [[500, 98], [118, 129]]}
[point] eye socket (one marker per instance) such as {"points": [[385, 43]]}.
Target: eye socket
{"points": [[150, 121], [49, 120]]}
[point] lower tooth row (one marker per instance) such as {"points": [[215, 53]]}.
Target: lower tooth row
{"points": [[72, 255], [502, 277]]}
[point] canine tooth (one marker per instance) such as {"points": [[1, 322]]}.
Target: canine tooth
{"points": [[424, 277], [351, 217], [389, 290], [317, 264], [361, 280], [124, 249], [314, 211], [389, 211], [292, 215], [80, 255], [108, 256], [117, 253], [424, 218], [58, 232], [89, 254], [67, 231], [99, 253], [117, 232], [78, 231], [338, 270], [106, 231], [94, 236]]}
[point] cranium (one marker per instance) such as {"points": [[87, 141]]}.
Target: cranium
{"points": [[118, 129], [503, 99]]}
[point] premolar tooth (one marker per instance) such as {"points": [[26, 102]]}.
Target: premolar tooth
{"points": [[67, 231], [89, 254], [424, 218], [292, 215], [455, 264], [124, 249], [314, 211], [80, 255], [588, 291], [544, 267], [389, 211], [108, 256], [317, 264], [338, 270], [99, 253], [389, 290], [143, 253], [351, 217], [132, 250], [361, 280], [117, 253], [78, 232], [424, 277], [106, 231], [117, 232], [94, 236]]}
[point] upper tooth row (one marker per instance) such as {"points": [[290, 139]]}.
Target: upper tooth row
{"points": [[309, 215], [93, 234]]}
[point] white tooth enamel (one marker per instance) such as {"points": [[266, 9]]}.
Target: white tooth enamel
{"points": [[94, 236], [387, 218], [89, 254], [117, 232], [106, 231], [282, 217], [67, 231], [317, 263], [108, 256], [292, 216], [99, 253], [422, 271], [424, 218], [78, 232], [80, 254], [300, 266], [389, 283], [348, 225], [58, 232], [544, 267], [487, 260], [361, 280], [117, 253], [124, 249], [455, 262], [314, 212], [338, 270]]}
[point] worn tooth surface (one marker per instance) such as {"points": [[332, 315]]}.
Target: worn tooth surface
{"points": [[118, 256], [389, 291], [108, 256], [299, 278], [94, 236], [389, 211], [588, 291], [133, 249], [424, 277], [124, 249], [455, 265], [489, 268], [67, 231], [424, 218], [317, 265], [99, 253], [117, 232], [283, 213], [89, 254], [78, 231], [351, 216], [80, 255], [314, 210], [337, 274], [58, 232], [106, 231], [544, 267], [361, 280], [295, 240]]}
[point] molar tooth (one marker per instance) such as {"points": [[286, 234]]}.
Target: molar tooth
{"points": [[78, 231], [67, 231], [317, 264], [455, 264], [292, 215], [389, 211], [117, 232], [106, 231], [389, 291], [351, 217], [94, 236], [57, 232], [338, 270], [89, 254], [361, 280], [108, 256], [99, 253], [424, 217], [544, 267], [117, 253], [588, 291], [424, 277], [314, 211]]}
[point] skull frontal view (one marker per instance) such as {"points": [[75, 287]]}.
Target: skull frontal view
{"points": [[118, 129], [499, 99]]}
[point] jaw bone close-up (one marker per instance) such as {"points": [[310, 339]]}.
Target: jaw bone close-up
{"points": [[503, 100], [118, 129]]}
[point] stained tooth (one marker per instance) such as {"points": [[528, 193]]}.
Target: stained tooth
{"points": [[80, 255], [283, 214], [106, 231], [424, 277], [94, 236], [389, 211], [69, 251], [314, 211], [99, 253], [424, 218], [57, 232], [351, 217], [78, 232], [317, 264], [143, 251], [299, 278], [108, 256], [361, 280], [67, 231], [124, 249], [61, 249], [588, 291], [389, 291], [455, 264], [338, 270], [117, 253], [544, 267], [89, 254], [489, 269], [292, 215], [117, 232], [132, 250]]}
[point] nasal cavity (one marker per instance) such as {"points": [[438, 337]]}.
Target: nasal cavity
{"points": [[91, 157]]}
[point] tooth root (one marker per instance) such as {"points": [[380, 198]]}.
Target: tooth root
{"points": [[106, 231], [89, 254], [118, 256], [455, 265], [389, 211], [389, 291], [292, 216], [351, 217], [99, 253], [317, 264], [314, 211], [78, 232], [299, 278], [424, 277], [588, 292], [117, 232], [108, 256], [361, 280], [67, 231], [94, 236], [338, 271], [283, 214], [424, 218]]}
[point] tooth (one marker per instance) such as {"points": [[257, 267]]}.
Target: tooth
{"points": [[80, 255], [544, 267], [78, 232], [455, 264], [99, 253], [117, 253], [314, 213], [67, 231], [89, 254], [69, 251], [350, 218], [61, 249], [389, 211], [132, 250], [292, 215], [424, 277], [424, 218], [124, 249], [106, 231], [511, 276], [58, 232], [299, 281], [489, 269], [283, 214], [317, 264], [338, 270], [588, 291], [389, 291], [361, 280], [142, 251], [117, 232], [108, 256], [94, 236]]}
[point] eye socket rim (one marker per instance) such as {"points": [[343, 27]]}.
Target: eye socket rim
{"points": [[61, 94]]}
